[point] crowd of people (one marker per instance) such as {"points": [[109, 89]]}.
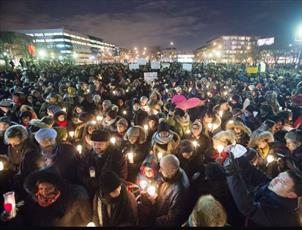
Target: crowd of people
{"points": [[97, 145]]}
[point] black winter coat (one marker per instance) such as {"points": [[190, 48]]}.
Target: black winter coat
{"points": [[71, 209], [262, 206], [66, 160], [171, 207], [92, 165]]}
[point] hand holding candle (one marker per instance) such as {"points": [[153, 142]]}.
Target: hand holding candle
{"points": [[79, 148], [10, 204], [130, 157], [71, 134], [113, 140]]}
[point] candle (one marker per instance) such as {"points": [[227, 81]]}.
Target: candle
{"points": [[146, 127], [10, 203], [113, 140], [220, 148], [270, 159], [79, 148], [151, 190], [99, 118], [1, 166], [92, 172], [159, 155], [125, 112], [210, 126], [93, 122], [130, 157], [195, 143], [64, 109], [188, 131], [71, 134], [91, 224], [143, 184], [220, 113]]}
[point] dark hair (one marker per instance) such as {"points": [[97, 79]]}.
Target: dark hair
{"points": [[296, 176]]}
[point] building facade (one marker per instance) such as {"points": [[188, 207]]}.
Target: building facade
{"points": [[66, 44], [228, 49]]}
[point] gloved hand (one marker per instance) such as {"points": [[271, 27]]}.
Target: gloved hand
{"points": [[231, 165]]}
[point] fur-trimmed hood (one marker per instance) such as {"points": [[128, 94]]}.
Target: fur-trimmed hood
{"points": [[265, 135], [136, 131], [18, 129], [232, 124], [227, 137]]}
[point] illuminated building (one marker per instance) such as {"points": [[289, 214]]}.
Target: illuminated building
{"points": [[227, 49], [66, 44]]}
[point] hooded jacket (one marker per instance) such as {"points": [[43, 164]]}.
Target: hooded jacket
{"points": [[122, 213], [72, 208]]}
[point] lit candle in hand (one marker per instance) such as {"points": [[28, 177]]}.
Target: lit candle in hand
{"points": [[130, 157], [79, 148]]}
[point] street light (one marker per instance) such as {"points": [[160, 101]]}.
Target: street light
{"points": [[298, 35], [42, 53], [171, 43]]}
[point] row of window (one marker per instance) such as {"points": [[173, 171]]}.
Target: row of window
{"points": [[72, 36]]}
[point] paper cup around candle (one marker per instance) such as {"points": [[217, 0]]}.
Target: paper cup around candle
{"points": [[130, 157], [9, 200], [79, 148], [151, 190]]}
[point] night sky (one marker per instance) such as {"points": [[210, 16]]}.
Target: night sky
{"points": [[129, 23]]}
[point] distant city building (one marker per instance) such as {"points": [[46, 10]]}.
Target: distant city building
{"points": [[168, 55], [66, 44], [228, 49]]}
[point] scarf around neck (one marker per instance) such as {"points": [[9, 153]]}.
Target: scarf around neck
{"points": [[162, 141]]}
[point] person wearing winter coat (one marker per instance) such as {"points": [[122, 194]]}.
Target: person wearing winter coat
{"points": [[110, 119], [113, 204], [213, 181], [152, 122], [86, 142], [53, 203], [241, 131], [208, 212], [149, 172], [23, 155], [164, 140], [264, 202], [121, 129], [169, 205], [261, 143], [5, 122], [62, 156], [200, 141], [221, 140], [61, 125], [102, 157], [294, 144], [211, 123], [190, 160], [180, 122], [136, 150]]}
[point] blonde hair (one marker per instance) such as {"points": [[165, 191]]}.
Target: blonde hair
{"points": [[208, 212], [224, 137], [263, 136]]}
